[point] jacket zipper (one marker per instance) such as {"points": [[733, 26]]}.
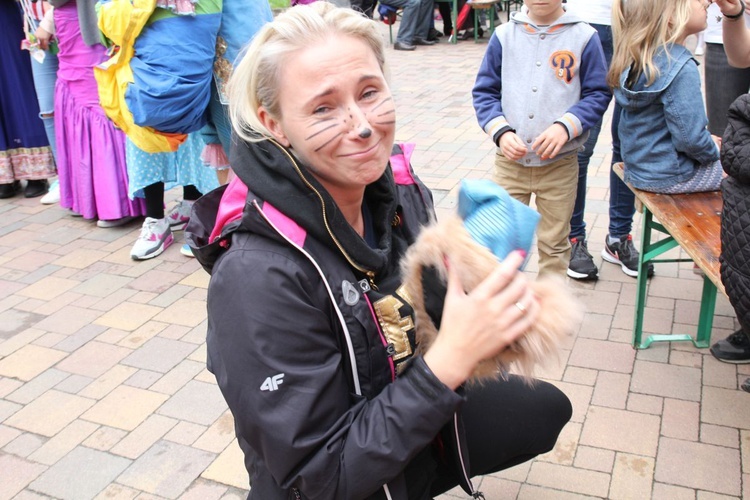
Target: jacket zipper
{"points": [[350, 348], [370, 274]]}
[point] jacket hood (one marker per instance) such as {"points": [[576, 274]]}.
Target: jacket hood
{"points": [[669, 61], [276, 180], [522, 17]]}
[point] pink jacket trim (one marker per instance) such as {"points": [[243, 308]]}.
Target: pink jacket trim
{"points": [[231, 208], [287, 226], [400, 165]]}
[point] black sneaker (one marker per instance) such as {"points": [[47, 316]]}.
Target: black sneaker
{"points": [[581, 265], [624, 253], [733, 349]]}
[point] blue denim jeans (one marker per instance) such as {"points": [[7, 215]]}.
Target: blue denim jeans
{"points": [[621, 199], [45, 76], [415, 20]]}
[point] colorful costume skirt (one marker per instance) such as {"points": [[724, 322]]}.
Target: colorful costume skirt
{"points": [[24, 148], [184, 167], [91, 151]]}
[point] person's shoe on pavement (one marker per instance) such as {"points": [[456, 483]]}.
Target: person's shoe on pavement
{"points": [[422, 41], [403, 46], [733, 349], [581, 266], [623, 253]]}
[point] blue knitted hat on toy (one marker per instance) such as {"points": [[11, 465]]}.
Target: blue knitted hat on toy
{"points": [[495, 219]]}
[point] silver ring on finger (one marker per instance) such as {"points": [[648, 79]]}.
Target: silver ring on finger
{"points": [[521, 308]]}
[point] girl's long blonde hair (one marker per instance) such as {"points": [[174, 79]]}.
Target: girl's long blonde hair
{"points": [[255, 80], [639, 29]]}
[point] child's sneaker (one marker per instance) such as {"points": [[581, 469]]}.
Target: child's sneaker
{"points": [[179, 216], [186, 250], [624, 254], [53, 194], [154, 239], [581, 266]]}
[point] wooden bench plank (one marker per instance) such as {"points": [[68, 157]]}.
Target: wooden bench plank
{"points": [[694, 220]]}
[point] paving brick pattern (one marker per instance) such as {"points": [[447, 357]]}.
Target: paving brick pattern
{"points": [[104, 391]]}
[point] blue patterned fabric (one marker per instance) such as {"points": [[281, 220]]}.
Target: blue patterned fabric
{"points": [[495, 219]]}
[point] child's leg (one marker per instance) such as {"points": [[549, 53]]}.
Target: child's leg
{"points": [[555, 188], [513, 177]]}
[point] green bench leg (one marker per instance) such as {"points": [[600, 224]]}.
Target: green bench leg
{"points": [[706, 316], [648, 254], [640, 294]]}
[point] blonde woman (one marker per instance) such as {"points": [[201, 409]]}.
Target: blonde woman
{"points": [[310, 334], [665, 144]]}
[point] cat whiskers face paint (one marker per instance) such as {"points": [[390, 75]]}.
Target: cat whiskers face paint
{"points": [[327, 128], [386, 115]]}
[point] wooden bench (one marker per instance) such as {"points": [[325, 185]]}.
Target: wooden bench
{"points": [[692, 221]]}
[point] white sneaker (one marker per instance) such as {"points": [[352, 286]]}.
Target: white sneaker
{"points": [[179, 216], [52, 196], [115, 222], [186, 250], [154, 239]]}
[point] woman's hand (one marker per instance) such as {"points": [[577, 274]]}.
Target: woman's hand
{"points": [[42, 38], [729, 7], [478, 325], [512, 146]]}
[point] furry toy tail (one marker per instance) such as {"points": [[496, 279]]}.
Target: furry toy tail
{"points": [[559, 316]]}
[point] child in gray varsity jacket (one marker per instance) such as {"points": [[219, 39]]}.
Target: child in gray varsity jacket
{"points": [[540, 88]]}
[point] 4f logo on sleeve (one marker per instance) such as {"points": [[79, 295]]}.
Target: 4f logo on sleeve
{"points": [[564, 64], [272, 383]]}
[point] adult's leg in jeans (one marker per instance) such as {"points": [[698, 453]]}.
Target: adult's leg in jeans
{"points": [[425, 19], [621, 198], [724, 84], [409, 19], [45, 76], [507, 423], [577, 224]]}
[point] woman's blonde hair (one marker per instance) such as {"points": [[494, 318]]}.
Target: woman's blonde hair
{"points": [[255, 80], [639, 29]]}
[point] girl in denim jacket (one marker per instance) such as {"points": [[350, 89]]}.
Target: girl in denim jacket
{"points": [[666, 146]]}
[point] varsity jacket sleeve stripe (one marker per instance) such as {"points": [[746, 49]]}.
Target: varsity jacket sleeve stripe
{"points": [[487, 92], [595, 94]]}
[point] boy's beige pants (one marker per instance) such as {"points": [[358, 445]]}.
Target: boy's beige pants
{"points": [[554, 187]]}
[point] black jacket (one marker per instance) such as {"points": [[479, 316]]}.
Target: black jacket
{"points": [[306, 331], [735, 222]]}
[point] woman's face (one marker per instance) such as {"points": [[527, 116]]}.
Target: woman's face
{"points": [[337, 113]]}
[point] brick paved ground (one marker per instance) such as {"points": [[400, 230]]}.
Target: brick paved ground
{"points": [[104, 391]]}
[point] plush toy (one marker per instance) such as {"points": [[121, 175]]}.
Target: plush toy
{"points": [[490, 225]]}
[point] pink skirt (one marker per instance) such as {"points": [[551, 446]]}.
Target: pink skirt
{"points": [[90, 150]]}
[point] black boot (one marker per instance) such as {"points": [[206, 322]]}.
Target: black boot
{"points": [[35, 188], [9, 190]]}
